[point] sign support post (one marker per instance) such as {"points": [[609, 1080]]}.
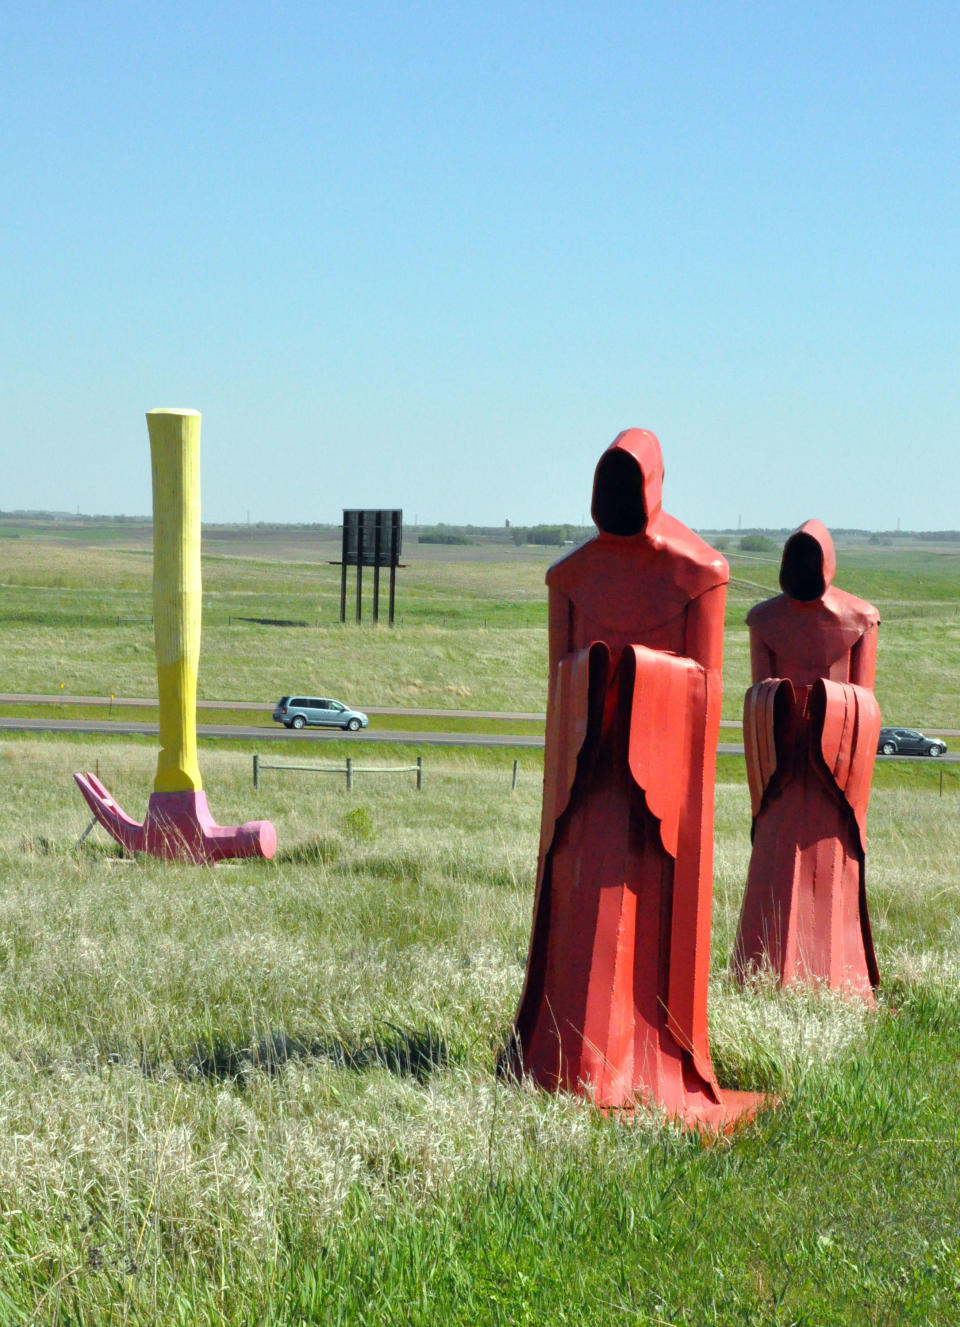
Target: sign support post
{"points": [[370, 539]]}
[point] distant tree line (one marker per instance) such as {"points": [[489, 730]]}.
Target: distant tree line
{"points": [[843, 532], [552, 535], [443, 537], [758, 543]]}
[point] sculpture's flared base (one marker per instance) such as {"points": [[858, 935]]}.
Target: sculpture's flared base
{"points": [[681, 1092], [733, 1110], [804, 913]]}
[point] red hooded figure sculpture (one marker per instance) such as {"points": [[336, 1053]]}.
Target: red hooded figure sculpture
{"points": [[615, 1000], [810, 729]]}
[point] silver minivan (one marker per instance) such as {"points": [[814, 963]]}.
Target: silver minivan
{"points": [[299, 711]]}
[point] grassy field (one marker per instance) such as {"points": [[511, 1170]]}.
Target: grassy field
{"points": [[471, 631], [264, 1093]]}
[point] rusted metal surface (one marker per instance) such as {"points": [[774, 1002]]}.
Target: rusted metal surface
{"points": [[811, 724], [614, 1005]]}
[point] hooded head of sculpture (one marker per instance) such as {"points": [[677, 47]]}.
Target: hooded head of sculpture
{"points": [[809, 562], [628, 484]]}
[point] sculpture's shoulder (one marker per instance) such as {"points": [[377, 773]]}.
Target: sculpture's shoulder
{"points": [[836, 614], [703, 567], [670, 558], [567, 567], [768, 614], [852, 612]]}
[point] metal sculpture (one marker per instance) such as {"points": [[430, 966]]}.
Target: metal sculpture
{"points": [[614, 1006], [810, 729], [179, 823]]}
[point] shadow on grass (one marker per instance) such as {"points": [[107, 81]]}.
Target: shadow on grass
{"points": [[407, 1052]]}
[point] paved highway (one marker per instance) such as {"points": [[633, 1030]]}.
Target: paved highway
{"points": [[255, 706], [262, 707], [255, 733], [258, 733]]}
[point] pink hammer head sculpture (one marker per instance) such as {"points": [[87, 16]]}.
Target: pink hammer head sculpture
{"points": [[178, 824]]}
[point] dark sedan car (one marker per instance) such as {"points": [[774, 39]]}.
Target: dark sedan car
{"points": [[908, 742]]}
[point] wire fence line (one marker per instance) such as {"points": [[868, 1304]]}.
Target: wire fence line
{"points": [[348, 769]]}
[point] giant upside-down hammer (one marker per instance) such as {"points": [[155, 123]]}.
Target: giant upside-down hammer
{"points": [[178, 824]]}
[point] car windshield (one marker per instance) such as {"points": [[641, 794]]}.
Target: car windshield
{"points": [[283, 700]]}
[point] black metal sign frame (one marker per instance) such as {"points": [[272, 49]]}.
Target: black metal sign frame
{"points": [[371, 538]]}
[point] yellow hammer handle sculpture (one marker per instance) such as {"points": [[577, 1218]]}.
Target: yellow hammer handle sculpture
{"points": [[178, 823], [177, 595]]}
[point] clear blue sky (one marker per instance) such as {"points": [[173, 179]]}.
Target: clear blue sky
{"points": [[437, 256]]}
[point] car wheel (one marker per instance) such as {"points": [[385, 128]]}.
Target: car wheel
{"points": [[298, 722], [889, 749], [936, 750], [353, 725]]}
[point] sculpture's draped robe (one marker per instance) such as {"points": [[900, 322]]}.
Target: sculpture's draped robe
{"points": [[615, 999], [810, 730]]}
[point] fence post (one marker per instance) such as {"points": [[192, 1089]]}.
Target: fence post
{"points": [[256, 771], [941, 780], [349, 774], [419, 774], [516, 767]]}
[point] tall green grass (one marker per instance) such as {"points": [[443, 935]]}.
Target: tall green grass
{"points": [[264, 1092]]}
